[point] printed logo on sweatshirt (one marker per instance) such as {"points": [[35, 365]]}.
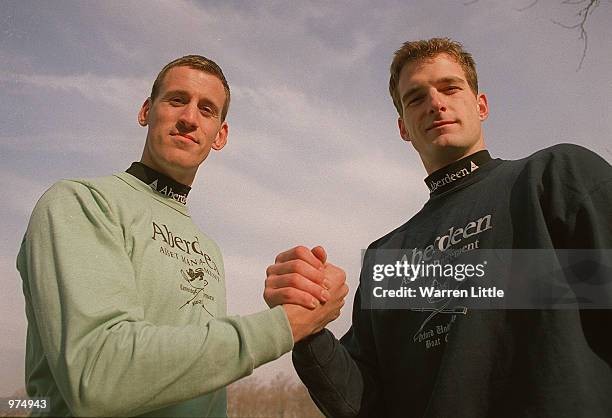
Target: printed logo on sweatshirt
{"points": [[169, 191], [200, 270], [452, 240], [451, 177], [436, 335], [195, 285], [445, 248], [186, 247], [447, 177]]}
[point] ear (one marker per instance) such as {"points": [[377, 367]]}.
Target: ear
{"points": [[483, 106], [402, 130], [221, 138], [143, 115]]}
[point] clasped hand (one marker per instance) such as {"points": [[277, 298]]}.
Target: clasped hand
{"points": [[311, 290]]}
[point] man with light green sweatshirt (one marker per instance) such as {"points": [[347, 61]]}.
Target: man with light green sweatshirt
{"points": [[125, 296]]}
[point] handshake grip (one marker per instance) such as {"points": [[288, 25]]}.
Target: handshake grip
{"points": [[311, 290]]}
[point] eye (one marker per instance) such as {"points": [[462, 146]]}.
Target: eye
{"points": [[451, 89], [177, 101], [209, 111], [415, 100]]}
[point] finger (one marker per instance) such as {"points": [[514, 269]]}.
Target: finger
{"points": [[289, 295], [299, 253], [300, 267], [320, 253], [338, 296], [299, 282], [345, 290], [335, 275]]}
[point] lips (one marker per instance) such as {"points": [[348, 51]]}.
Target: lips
{"points": [[186, 136], [439, 123]]}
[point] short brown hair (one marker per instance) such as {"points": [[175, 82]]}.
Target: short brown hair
{"points": [[418, 51], [197, 62]]}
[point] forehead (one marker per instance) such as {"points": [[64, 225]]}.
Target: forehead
{"points": [[192, 81], [429, 71]]}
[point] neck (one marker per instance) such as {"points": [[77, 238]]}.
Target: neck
{"points": [[160, 182], [457, 173], [182, 176]]}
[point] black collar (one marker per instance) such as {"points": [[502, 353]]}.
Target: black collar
{"points": [[159, 182], [456, 173]]}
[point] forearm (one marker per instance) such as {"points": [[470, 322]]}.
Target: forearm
{"points": [[139, 367], [334, 379], [131, 367]]}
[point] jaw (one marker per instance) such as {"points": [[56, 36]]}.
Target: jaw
{"points": [[446, 149], [173, 160]]}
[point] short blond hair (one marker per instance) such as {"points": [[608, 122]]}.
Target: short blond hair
{"points": [[422, 50], [197, 62]]}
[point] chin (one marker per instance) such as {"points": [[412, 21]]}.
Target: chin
{"points": [[452, 141], [447, 142], [184, 159]]}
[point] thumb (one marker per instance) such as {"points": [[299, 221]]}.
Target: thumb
{"points": [[320, 253]]}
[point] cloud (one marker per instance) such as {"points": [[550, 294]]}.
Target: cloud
{"points": [[115, 92]]}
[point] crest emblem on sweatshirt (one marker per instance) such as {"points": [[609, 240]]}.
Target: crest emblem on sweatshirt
{"points": [[195, 284], [191, 275]]}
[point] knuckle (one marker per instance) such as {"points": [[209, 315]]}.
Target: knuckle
{"points": [[300, 250], [271, 280], [271, 298], [287, 293], [293, 279], [269, 270], [296, 265]]}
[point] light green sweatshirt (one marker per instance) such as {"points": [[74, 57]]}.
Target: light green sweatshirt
{"points": [[126, 308]]}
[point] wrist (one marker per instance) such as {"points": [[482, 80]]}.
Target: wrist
{"points": [[300, 328]]}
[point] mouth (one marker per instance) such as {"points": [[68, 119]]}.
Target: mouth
{"points": [[185, 136], [440, 123]]}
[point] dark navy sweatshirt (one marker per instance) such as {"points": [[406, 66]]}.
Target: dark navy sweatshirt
{"points": [[464, 362]]}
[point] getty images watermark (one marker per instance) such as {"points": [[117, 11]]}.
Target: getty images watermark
{"points": [[487, 279], [436, 273]]}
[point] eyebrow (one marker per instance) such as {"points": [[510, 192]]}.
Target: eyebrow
{"points": [[173, 92], [451, 79], [443, 80]]}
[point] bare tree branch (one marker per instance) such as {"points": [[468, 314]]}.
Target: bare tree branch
{"points": [[586, 9], [529, 6], [573, 1], [583, 15]]}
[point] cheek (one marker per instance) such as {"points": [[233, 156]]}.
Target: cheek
{"points": [[415, 123]]}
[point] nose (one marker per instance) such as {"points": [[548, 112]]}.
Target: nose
{"points": [[437, 102], [188, 118]]}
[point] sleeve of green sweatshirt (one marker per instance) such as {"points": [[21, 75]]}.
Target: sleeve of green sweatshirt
{"points": [[105, 358]]}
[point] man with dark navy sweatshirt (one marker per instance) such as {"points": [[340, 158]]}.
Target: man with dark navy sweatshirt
{"points": [[458, 360]]}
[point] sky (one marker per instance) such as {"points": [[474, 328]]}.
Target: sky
{"points": [[314, 155]]}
